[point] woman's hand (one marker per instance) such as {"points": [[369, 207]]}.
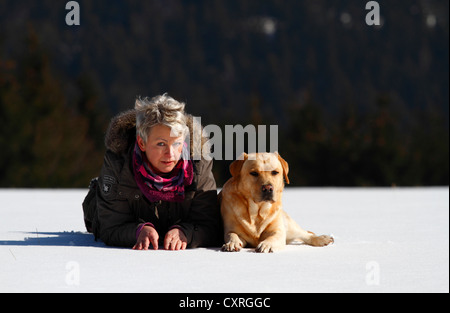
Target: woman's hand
{"points": [[175, 240], [147, 235]]}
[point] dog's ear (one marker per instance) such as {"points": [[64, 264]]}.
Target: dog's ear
{"points": [[285, 167], [236, 166]]}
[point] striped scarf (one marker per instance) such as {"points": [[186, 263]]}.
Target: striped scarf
{"points": [[155, 187]]}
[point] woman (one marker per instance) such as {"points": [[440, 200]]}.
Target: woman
{"points": [[150, 192]]}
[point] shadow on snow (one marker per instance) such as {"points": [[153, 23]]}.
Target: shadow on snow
{"points": [[70, 239]]}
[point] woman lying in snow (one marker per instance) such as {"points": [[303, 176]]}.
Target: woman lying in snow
{"points": [[150, 190]]}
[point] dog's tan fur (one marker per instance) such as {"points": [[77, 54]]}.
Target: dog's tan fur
{"points": [[255, 218]]}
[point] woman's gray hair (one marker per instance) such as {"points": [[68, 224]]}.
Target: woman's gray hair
{"points": [[160, 110]]}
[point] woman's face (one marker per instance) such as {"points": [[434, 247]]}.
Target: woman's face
{"points": [[163, 151]]}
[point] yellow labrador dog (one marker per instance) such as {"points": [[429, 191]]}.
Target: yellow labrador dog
{"points": [[251, 206]]}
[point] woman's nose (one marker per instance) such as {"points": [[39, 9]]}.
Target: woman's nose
{"points": [[170, 150]]}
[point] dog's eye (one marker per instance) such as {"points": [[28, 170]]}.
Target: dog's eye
{"points": [[275, 173], [255, 174]]}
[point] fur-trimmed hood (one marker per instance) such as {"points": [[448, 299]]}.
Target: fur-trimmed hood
{"points": [[121, 134]]}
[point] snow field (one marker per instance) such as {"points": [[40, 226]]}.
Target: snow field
{"points": [[386, 240]]}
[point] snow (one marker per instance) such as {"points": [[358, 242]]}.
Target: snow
{"points": [[386, 240]]}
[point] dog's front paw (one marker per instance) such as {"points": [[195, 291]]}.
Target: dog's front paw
{"points": [[321, 241], [264, 247], [232, 246]]}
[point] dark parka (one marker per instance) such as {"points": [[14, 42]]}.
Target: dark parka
{"points": [[119, 206]]}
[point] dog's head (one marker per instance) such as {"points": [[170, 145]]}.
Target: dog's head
{"points": [[260, 175]]}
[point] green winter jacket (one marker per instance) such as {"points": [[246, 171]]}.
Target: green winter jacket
{"points": [[120, 206]]}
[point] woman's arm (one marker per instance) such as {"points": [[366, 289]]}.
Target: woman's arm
{"points": [[117, 223], [203, 227]]}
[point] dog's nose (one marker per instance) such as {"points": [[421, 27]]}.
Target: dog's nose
{"points": [[267, 189]]}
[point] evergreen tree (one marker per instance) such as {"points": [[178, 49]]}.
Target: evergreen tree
{"points": [[44, 142]]}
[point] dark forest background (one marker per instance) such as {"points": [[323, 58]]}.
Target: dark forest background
{"points": [[356, 105]]}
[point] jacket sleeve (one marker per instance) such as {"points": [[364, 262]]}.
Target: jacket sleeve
{"points": [[203, 226], [117, 224]]}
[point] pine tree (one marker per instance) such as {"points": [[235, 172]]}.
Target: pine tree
{"points": [[44, 142]]}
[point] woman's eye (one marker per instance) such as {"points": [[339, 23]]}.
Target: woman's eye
{"points": [[161, 144], [255, 174]]}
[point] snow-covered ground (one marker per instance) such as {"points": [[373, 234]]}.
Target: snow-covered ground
{"points": [[386, 240]]}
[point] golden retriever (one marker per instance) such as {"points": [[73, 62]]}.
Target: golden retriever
{"points": [[251, 206]]}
